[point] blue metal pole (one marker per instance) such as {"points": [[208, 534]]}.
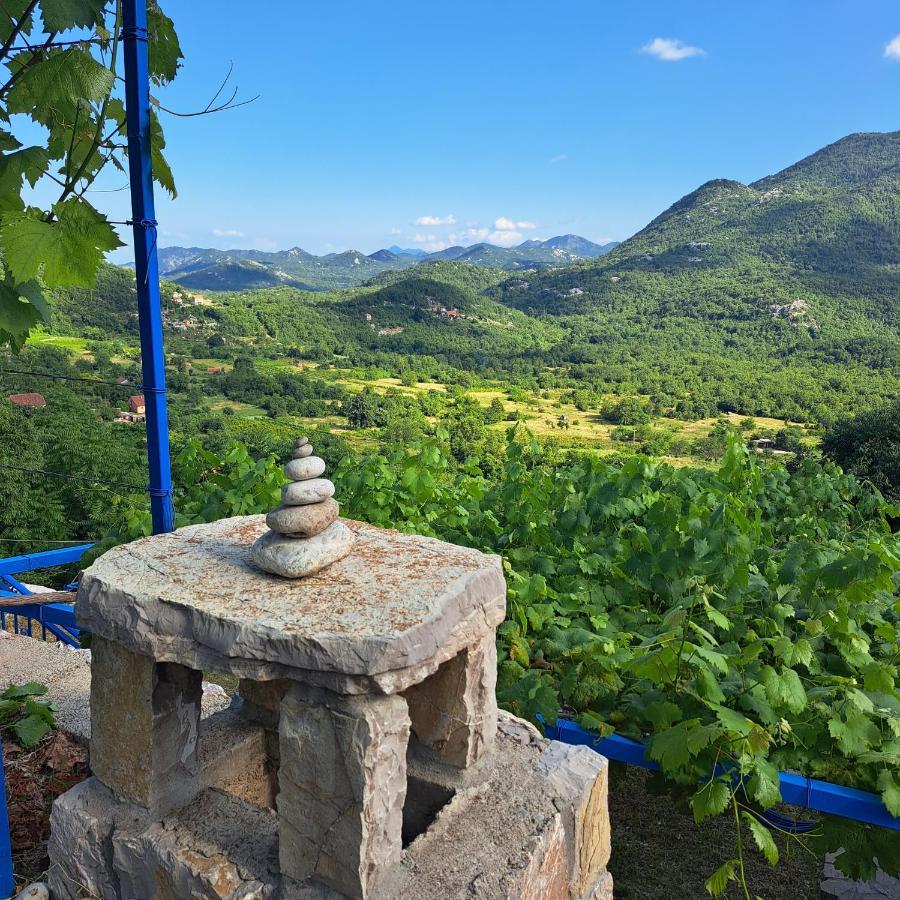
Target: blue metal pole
{"points": [[7, 882], [143, 220]]}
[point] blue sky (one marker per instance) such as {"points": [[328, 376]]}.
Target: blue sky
{"points": [[502, 120]]}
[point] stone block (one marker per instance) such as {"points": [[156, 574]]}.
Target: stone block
{"points": [[579, 777], [342, 784], [454, 711], [82, 823], [546, 877], [234, 757], [144, 724], [603, 888], [217, 847]]}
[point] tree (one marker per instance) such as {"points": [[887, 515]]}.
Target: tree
{"points": [[627, 411], [363, 410], [72, 90], [868, 445]]}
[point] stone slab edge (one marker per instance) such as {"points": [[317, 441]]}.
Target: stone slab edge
{"points": [[175, 632]]}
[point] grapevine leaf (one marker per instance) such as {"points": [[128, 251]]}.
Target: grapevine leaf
{"points": [[29, 164], [164, 51], [662, 713], [764, 783], [763, 839], [17, 315], [708, 687], [856, 734], [61, 15], [54, 86], [711, 800], [68, 250], [890, 791], [162, 174], [669, 747], [718, 881], [792, 691], [735, 722], [879, 677]]}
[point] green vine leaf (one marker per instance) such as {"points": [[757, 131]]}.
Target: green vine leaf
{"points": [[68, 250], [61, 15], [763, 839]]}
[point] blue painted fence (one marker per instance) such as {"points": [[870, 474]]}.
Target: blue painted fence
{"points": [[57, 619], [797, 790]]}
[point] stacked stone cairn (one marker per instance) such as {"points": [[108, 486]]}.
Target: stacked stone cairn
{"points": [[304, 533]]}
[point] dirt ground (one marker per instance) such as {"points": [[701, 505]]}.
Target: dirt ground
{"points": [[658, 853]]}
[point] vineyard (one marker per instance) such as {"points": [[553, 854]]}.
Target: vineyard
{"points": [[743, 621]]}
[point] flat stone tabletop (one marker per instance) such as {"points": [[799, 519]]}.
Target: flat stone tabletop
{"points": [[397, 604]]}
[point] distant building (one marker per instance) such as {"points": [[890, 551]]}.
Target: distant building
{"points": [[121, 380], [761, 444], [368, 317], [27, 401], [136, 405]]}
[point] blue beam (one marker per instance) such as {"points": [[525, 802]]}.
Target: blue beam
{"points": [[7, 881], [27, 562], [808, 793], [143, 221]]}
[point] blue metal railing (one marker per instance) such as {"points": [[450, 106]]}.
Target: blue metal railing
{"points": [[797, 790], [57, 619]]}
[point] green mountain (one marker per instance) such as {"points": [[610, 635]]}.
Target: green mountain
{"points": [[232, 270], [735, 283]]}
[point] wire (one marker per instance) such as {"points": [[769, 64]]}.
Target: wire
{"points": [[124, 386], [130, 487], [4, 540]]}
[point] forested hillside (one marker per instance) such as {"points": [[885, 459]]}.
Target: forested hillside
{"points": [[779, 296]]}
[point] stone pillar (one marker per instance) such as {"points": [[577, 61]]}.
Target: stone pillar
{"points": [[454, 711], [145, 718], [580, 778], [342, 788], [262, 700]]}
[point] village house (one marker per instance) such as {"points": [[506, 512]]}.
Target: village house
{"points": [[27, 401], [136, 410]]}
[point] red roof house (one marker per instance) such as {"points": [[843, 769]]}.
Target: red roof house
{"points": [[27, 401], [136, 404]]}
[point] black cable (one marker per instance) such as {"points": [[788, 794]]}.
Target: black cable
{"points": [[4, 540], [130, 487], [126, 386]]}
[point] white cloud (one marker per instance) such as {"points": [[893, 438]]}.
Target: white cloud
{"points": [[424, 238], [560, 157], [504, 224], [892, 49], [227, 232], [671, 50], [435, 220], [506, 238], [395, 231], [471, 235]]}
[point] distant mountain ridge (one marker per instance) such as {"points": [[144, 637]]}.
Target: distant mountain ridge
{"points": [[229, 270]]}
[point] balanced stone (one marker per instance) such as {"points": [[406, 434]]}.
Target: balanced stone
{"points": [[303, 521], [300, 493], [302, 452], [293, 557], [301, 442], [303, 469]]}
